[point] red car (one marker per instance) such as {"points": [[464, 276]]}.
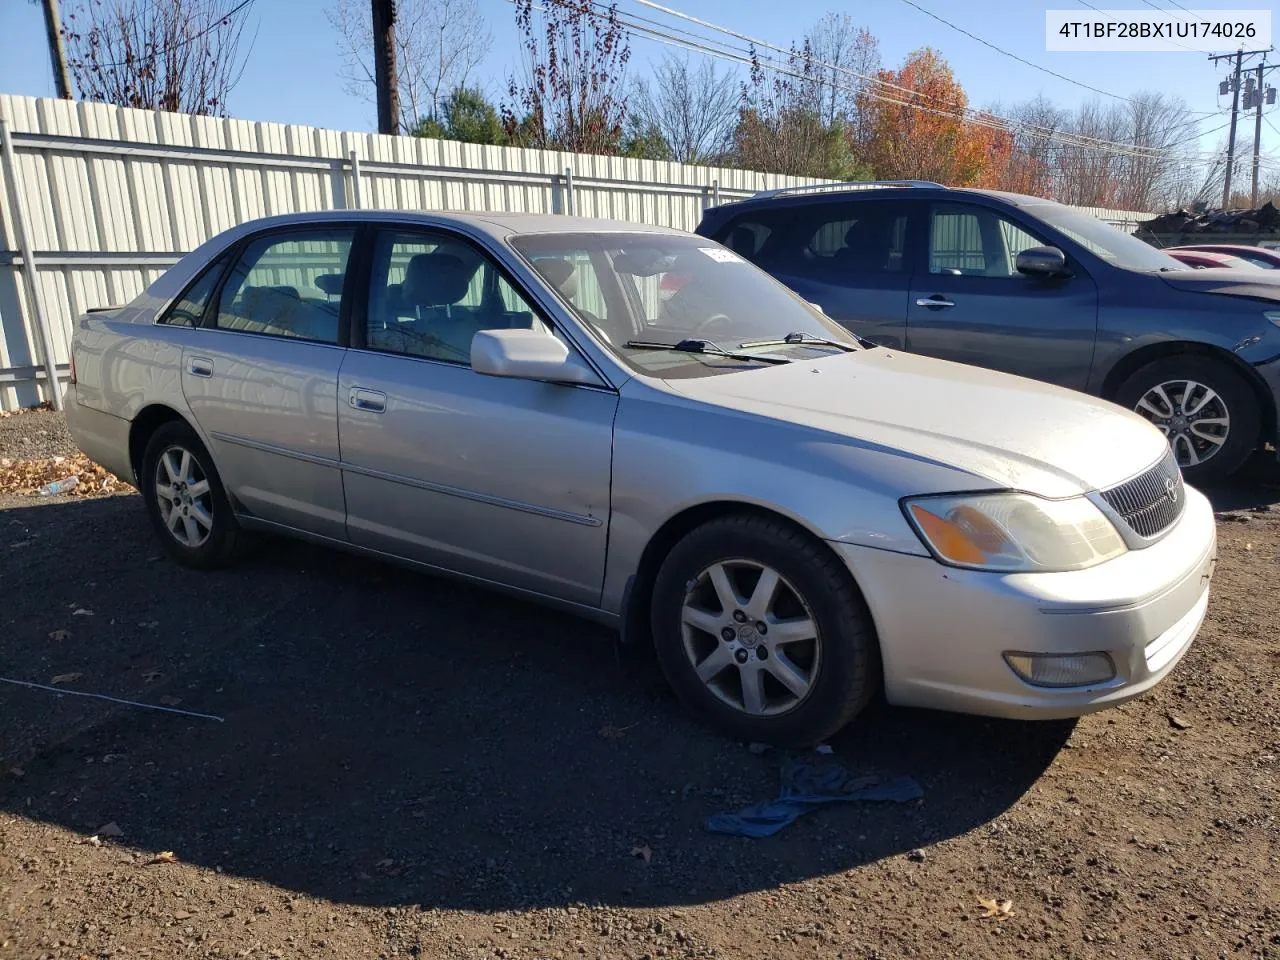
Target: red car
{"points": [[1255, 256], [1201, 259]]}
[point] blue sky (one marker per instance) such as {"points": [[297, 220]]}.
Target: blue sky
{"points": [[292, 75]]}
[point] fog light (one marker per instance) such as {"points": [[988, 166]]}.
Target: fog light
{"points": [[1062, 670]]}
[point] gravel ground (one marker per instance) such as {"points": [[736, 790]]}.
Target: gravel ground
{"points": [[404, 767], [33, 434]]}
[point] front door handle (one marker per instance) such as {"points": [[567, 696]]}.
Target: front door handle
{"points": [[200, 366], [937, 300], [375, 401]]}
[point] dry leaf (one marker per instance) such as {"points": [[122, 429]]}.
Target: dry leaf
{"points": [[151, 676], [66, 678], [28, 476], [111, 829], [1000, 909], [1178, 723], [169, 701], [164, 856], [81, 612], [59, 634], [643, 852]]}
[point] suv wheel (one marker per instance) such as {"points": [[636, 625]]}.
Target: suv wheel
{"points": [[186, 501], [1206, 409], [762, 632]]}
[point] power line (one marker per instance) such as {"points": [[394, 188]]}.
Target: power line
{"points": [[981, 118], [156, 54], [1014, 56]]}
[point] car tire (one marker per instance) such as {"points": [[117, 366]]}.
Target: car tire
{"points": [[805, 690], [186, 500], [1197, 380]]}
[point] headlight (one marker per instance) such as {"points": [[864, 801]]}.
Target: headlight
{"points": [[1014, 532], [1273, 316]]}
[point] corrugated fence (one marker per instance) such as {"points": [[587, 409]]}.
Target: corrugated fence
{"points": [[104, 198]]}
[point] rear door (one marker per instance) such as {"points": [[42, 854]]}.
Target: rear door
{"points": [[261, 376], [849, 257], [969, 304]]}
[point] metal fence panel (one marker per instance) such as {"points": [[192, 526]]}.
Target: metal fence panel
{"points": [[113, 195]]}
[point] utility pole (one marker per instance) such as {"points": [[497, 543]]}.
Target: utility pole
{"points": [[384, 65], [57, 53], [1255, 98], [1239, 56]]}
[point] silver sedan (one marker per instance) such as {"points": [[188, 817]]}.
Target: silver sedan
{"points": [[636, 425]]}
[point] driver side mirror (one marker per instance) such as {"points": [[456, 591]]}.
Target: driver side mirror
{"points": [[528, 355], [1042, 262]]}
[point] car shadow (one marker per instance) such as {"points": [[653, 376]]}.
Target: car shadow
{"points": [[1256, 484], [381, 737]]}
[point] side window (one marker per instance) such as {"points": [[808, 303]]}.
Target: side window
{"points": [[862, 237], [747, 237], [967, 240], [430, 293], [189, 309], [288, 285]]}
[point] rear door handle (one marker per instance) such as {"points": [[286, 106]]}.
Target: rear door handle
{"points": [[375, 401], [937, 300], [200, 366]]}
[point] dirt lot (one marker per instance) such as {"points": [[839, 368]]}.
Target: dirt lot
{"points": [[405, 767]]}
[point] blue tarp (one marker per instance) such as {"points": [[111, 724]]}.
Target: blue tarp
{"points": [[805, 787]]}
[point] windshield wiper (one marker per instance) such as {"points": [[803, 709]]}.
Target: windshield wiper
{"points": [[703, 346], [801, 339]]}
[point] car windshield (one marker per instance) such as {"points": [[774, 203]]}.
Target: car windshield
{"points": [[1111, 244], [679, 306]]}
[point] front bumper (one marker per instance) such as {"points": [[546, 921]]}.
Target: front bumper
{"points": [[943, 631]]}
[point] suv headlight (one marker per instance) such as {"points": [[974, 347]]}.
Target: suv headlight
{"points": [[1013, 532]]}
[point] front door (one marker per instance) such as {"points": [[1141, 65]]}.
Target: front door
{"points": [[261, 378], [502, 479], [968, 303]]}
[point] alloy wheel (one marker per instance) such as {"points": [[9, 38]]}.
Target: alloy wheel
{"points": [[1191, 415], [184, 497], [751, 637]]}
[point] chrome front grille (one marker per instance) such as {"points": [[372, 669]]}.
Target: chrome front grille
{"points": [[1152, 502]]}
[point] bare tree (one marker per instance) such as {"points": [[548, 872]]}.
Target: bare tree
{"points": [[572, 92], [177, 55], [843, 54], [693, 109], [438, 45]]}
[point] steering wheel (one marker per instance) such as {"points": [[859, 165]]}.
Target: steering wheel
{"points": [[710, 321]]}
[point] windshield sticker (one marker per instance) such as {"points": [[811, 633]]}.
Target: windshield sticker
{"points": [[720, 255]]}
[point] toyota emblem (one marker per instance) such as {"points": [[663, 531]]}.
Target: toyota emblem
{"points": [[1171, 489]]}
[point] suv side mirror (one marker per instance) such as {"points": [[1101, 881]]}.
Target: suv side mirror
{"points": [[528, 355], [1042, 262]]}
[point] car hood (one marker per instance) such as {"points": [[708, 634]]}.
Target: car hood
{"points": [[1226, 281], [1004, 430]]}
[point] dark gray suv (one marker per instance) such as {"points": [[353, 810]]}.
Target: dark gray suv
{"points": [[1032, 287]]}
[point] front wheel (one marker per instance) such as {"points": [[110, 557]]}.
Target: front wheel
{"points": [[1206, 410], [762, 633], [186, 501]]}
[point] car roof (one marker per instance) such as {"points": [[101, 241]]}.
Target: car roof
{"points": [[497, 225], [888, 189]]}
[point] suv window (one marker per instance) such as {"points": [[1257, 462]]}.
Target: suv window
{"points": [[188, 310], [430, 293], [288, 285], [967, 240], [863, 236]]}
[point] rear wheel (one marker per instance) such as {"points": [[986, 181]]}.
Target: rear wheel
{"points": [[186, 501], [1206, 409], [762, 632]]}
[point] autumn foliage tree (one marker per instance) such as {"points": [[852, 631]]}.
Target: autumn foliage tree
{"points": [[572, 93]]}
